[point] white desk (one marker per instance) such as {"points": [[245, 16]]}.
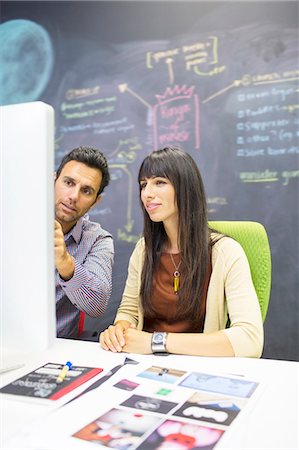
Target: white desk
{"points": [[271, 424]]}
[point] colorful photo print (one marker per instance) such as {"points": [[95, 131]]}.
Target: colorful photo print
{"points": [[126, 385], [219, 384], [164, 374], [119, 429], [211, 408], [175, 435], [149, 404]]}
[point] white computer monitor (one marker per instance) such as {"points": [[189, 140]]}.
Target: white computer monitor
{"points": [[27, 216]]}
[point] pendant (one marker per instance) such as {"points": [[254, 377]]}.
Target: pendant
{"points": [[176, 281]]}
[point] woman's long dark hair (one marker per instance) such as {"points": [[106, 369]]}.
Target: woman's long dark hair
{"points": [[193, 234]]}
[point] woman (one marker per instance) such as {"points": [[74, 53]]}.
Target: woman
{"points": [[189, 289]]}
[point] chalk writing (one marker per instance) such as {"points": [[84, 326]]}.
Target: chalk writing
{"points": [[250, 152], [201, 57], [107, 110], [262, 125], [264, 109], [79, 93], [176, 117], [288, 175], [257, 177], [217, 200], [269, 176], [122, 235], [86, 108], [256, 80]]}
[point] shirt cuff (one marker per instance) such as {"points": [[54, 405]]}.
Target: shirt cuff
{"points": [[78, 278]]}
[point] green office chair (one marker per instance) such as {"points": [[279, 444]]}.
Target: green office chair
{"points": [[254, 240]]}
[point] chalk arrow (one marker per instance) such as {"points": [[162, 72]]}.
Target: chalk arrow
{"points": [[169, 62], [124, 88]]}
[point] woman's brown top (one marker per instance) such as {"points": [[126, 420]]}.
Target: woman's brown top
{"points": [[165, 300]]}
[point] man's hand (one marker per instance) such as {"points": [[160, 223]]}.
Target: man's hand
{"points": [[64, 262]]}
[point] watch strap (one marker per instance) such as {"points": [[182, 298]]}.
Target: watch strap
{"points": [[159, 343]]}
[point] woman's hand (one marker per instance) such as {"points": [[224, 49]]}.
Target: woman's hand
{"points": [[137, 341], [123, 337], [113, 337]]}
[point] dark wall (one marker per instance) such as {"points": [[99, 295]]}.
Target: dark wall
{"points": [[220, 79]]}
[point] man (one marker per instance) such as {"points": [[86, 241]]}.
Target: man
{"points": [[83, 250]]}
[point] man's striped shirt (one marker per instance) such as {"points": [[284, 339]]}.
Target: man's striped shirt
{"points": [[90, 287]]}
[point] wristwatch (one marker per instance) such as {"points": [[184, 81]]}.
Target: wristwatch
{"points": [[159, 343]]}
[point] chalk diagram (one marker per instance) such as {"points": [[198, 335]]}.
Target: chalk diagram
{"points": [[185, 86]]}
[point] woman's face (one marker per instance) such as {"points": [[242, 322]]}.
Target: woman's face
{"points": [[158, 197]]}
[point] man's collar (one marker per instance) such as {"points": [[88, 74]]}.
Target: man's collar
{"points": [[76, 231]]}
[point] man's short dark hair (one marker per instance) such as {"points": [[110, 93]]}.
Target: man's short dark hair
{"points": [[92, 158]]}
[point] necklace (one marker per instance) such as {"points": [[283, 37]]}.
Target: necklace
{"points": [[176, 275]]}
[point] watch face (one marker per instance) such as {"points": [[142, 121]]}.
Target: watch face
{"points": [[159, 343], [158, 338]]}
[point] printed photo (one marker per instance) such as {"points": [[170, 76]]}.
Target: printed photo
{"points": [[175, 435], [42, 383], [126, 385], [149, 404], [164, 374], [219, 384], [211, 408], [119, 429]]}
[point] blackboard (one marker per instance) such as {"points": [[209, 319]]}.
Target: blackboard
{"points": [[219, 79]]}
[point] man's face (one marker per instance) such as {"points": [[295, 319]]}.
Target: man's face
{"points": [[76, 191]]}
